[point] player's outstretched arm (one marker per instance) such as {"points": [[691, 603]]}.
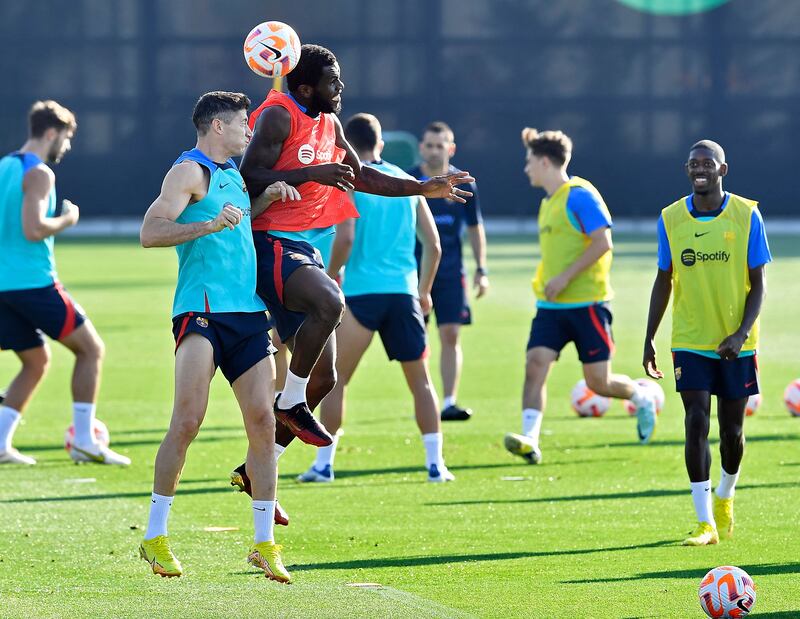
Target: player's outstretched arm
{"points": [[428, 237], [370, 180], [183, 183], [731, 346], [36, 225], [659, 298], [477, 240]]}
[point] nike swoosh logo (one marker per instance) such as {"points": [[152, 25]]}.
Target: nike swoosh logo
{"points": [[260, 509], [221, 186], [94, 458], [274, 50], [696, 235], [750, 384], [595, 351]]}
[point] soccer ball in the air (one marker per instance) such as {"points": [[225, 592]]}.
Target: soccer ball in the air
{"points": [[100, 434], [272, 49], [753, 404], [727, 592], [586, 402], [792, 398], [654, 389]]}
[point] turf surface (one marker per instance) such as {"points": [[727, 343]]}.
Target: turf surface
{"points": [[592, 532]]}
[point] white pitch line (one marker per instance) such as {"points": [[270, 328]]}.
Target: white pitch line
{"points": [[423, 607]]}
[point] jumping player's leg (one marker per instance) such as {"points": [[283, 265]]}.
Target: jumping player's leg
{"points": [[35, 362], [353, 339], [310, 291]]}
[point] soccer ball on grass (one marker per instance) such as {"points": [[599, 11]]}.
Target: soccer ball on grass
{"points": [[586, 402]]}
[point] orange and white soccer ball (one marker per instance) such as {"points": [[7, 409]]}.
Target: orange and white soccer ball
{"points": [[586, 402], [753, 404], [654, 389], [272, 49], [727, 592], [792, 398], [100, 434]]}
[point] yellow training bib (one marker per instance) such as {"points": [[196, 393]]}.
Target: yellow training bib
{"points": [[562, 244], [710, 277]]}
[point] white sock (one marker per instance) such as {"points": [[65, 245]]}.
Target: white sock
{"points": [[294, 391], [264, 521], [701, 495], [532, 423], [325, 455], [83, 419], [279, 449], [449, 400], [727, 484], [159, 513], [9, 420], [433, 449], [640, 395]]}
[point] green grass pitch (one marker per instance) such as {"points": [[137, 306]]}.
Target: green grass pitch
{"points": [[592, 532]]}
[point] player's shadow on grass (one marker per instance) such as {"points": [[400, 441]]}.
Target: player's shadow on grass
{"points": [[763, 569], [402, 470], [416, 561], [162, 431], [681, 442], [609, 496], [217, 489], [201, 438]]}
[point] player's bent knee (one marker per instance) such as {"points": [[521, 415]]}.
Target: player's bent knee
{"points": [[597, 384], [185, 429], [697, 423]]}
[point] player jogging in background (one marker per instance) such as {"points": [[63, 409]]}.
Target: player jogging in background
{"points": [[573, 288], [298, 139], [449, 292], [384, 294], [203, 210], [32, 300], [712, 252]]}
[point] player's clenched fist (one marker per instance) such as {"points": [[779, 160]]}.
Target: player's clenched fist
{"points": [[229, 217], [337, 175]]}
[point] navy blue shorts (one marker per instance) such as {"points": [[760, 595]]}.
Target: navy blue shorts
{"points": [[25, 315], [732, 379], [397, 318], [589, 327], [240, 339], [277, 259], [451, 304]]}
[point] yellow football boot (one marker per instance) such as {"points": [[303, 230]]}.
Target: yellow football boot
{"points": [[703, 535], [157, 553], [723, 514], [267, 556]]}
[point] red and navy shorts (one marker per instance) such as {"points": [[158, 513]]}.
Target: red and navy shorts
{"points": [[239, 339], [589, 327], [26, 316], [450, 302], [730, 379], [277, 259], [397, 318]]}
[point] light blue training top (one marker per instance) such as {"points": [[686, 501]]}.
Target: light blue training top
{"points": [[24, 264], [382, 259], [217, 272]]}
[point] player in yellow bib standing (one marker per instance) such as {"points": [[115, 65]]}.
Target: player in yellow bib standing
{"points": [[573, 288], [712, 252]]}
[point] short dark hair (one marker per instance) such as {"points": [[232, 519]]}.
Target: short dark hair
{"points": [[313, 59], [363, 131], [45, 115], [710, 145], [438, 126], [555, 145], [217, 104]]}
